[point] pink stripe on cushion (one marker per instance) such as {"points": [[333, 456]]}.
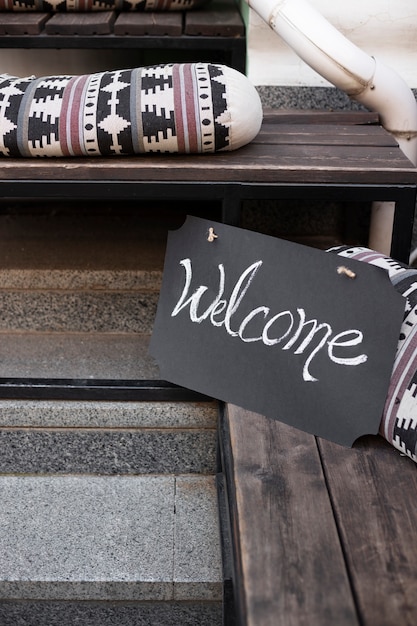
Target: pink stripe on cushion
{"points": [[185, 108], [70, 124], [192, 111]]}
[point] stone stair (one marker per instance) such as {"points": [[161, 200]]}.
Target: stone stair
{"points": [[108, 511]]}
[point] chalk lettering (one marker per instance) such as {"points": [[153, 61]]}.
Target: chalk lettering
{"points": [[238, 294], [248, 318], [272, 342], [355, 341], [194, 299], [307, 338], [307, 341]]}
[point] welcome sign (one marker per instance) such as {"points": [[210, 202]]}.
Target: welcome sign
{"points": [[277, 328]]}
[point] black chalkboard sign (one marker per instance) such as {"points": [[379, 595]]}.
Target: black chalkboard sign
{"points": [[278, 328]]}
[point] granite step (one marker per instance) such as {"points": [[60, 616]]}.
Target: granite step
{"points": [[103, 551], [97, 436], [106, 438], [99, 271], [83, 301], [109, 513], [86, 355]]}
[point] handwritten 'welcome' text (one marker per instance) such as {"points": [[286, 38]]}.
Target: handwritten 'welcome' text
{"points": [[306, 337]]}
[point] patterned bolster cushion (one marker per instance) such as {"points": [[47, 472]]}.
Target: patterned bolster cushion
{"points": [[175, 108], [50, 6], [399, 420]]}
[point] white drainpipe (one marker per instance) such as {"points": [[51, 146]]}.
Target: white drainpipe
{"points": [[359, 75]]}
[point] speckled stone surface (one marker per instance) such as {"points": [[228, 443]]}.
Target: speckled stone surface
{"points": [[102, 414], [108, 538], [108, 614], [79, 279], [196, 546], [107, 451], [289, 97], [76, 355], [78, 311]]}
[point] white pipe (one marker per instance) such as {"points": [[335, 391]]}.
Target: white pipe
{"points": [[359, 75]]}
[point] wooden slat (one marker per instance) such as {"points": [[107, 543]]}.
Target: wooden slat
{"points": [[130, 23], [374, 492], [22, 23], [253, 164], [219, 19], [325, 134], [282, 153], [317, 116], [290, 568], [95, 23]]}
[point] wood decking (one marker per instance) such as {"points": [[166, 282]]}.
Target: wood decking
{"points": [[321, 534]]}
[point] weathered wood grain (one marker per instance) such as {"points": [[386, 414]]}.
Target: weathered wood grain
{"points": [[316, 116], [256, 163], [22, 23], [374, 494], [130, 23], [220, 19], [283, 153], [290, 567], [96, 23]]}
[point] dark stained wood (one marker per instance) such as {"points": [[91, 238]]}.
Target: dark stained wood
{"points": [[337, 162], [265, 163], [289, 564], [95, 23], [22, 23], [325, 135], [317, 116], [374, 493], [130, 23], [283, 152], [219, 19]]}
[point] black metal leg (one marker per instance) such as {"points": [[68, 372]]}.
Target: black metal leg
{"points": [[238, 56]]}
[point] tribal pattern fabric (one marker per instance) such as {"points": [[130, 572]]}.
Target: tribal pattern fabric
{"points": [[48, 6], [175, 108], [399, 420]]}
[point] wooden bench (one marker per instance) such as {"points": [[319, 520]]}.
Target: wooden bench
{"points": [[215, 33], [319, 534], [310, 155], [339, 156]]}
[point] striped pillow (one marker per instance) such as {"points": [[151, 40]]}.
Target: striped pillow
{"points": [[399, 420], [48, 6], [175, 108]]}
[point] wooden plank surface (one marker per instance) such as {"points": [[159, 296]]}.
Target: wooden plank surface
{"points": [[22, 23], [318, 116], [325, 135], [374, 493], [95, 23], [219, 19], [283, 152], [130, 23], [256, 163], [289, 560]]}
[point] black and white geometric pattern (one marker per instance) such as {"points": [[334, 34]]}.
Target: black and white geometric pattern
{"points": [[399, 420], [174, 108]]}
